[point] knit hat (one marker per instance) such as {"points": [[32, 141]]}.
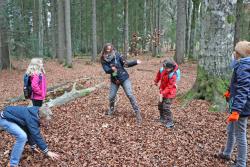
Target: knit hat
{"points": [[243, 48]]}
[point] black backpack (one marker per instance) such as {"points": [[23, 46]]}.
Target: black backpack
{"points": [[27, 89]]}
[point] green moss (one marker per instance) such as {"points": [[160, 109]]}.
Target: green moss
{"points": [[231, 19]]}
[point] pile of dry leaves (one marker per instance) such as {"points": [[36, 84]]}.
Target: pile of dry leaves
{"points": [[84, 136]]}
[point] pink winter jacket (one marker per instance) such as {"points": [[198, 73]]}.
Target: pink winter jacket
{"points": [[39, 87]]}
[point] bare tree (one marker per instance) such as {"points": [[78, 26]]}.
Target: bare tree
{"points": [[239, 10], [41, 29], [94, 43], [196, 5], [125, 28], [68, 34], [4, 49], [180, 31], [61, 31]]}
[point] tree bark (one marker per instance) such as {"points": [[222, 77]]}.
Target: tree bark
{"points": [[4, 49], [188, 26], [53, 29], [94, 42], [239, 10], [68, 34], [61, 31], [125, 29], [217, 34], [180, 31], [144, 24], [41, 29], [196, 4]]}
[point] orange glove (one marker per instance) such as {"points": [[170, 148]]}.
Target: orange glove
{"points": [[233, 117], [227, 95]]}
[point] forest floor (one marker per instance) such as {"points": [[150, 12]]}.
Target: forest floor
{"points": [[84, 136]]}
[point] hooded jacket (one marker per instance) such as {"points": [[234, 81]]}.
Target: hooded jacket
{"points": [[119, 63], [167, 83], [240, 87], [28, 119]]}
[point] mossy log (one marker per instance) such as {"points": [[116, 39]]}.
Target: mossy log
{"points": [[73, 94]]}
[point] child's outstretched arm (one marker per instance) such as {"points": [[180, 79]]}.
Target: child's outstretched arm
{"points": [[158, 77]]}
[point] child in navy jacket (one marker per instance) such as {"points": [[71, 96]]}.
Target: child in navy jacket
{"points": [[23, 123]]}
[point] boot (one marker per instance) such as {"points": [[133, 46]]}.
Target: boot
{"points": [[169, 119], [111, 108], [138, 117], [162, 119], [160, 108]]}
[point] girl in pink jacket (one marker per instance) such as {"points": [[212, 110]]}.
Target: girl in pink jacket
{"points": [[38, 81]]}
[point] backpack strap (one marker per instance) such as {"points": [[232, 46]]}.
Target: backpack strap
{"points": [[171, 74]]}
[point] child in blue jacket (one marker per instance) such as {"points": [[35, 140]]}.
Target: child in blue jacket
{"points": [[23, 123], [239, 105]]}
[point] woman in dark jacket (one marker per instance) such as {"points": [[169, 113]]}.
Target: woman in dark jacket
{"points": [[113, 64]]}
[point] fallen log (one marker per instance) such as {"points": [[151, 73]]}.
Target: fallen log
{"points": [[140, 69], [73, 94], [51, 90]]}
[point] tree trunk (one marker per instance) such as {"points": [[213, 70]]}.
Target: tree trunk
{"points": [[144, 24], [4, 49], [61, 31], [94, 42], [239, 10], [158, 28], [196, 4], [68, 34], [154, 20], [188, 26], [53, 29], [35, 21], [125, 28], [41, 29], [82, 26], [87, 36], [217, 33], [151, 25], [180, 31]]}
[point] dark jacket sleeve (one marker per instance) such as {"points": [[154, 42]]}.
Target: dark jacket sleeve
{"points": [[132, 63], [34, 132], [127, 63], [242, 88], [106, 67]]}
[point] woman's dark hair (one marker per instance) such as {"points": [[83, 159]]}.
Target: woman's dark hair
{"points": [[104, 50]]}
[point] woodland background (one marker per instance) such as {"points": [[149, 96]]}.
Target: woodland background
{"points": [[69, 35]]}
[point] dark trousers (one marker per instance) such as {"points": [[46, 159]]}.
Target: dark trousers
{"points": [[164, 109], [37, 103]]}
